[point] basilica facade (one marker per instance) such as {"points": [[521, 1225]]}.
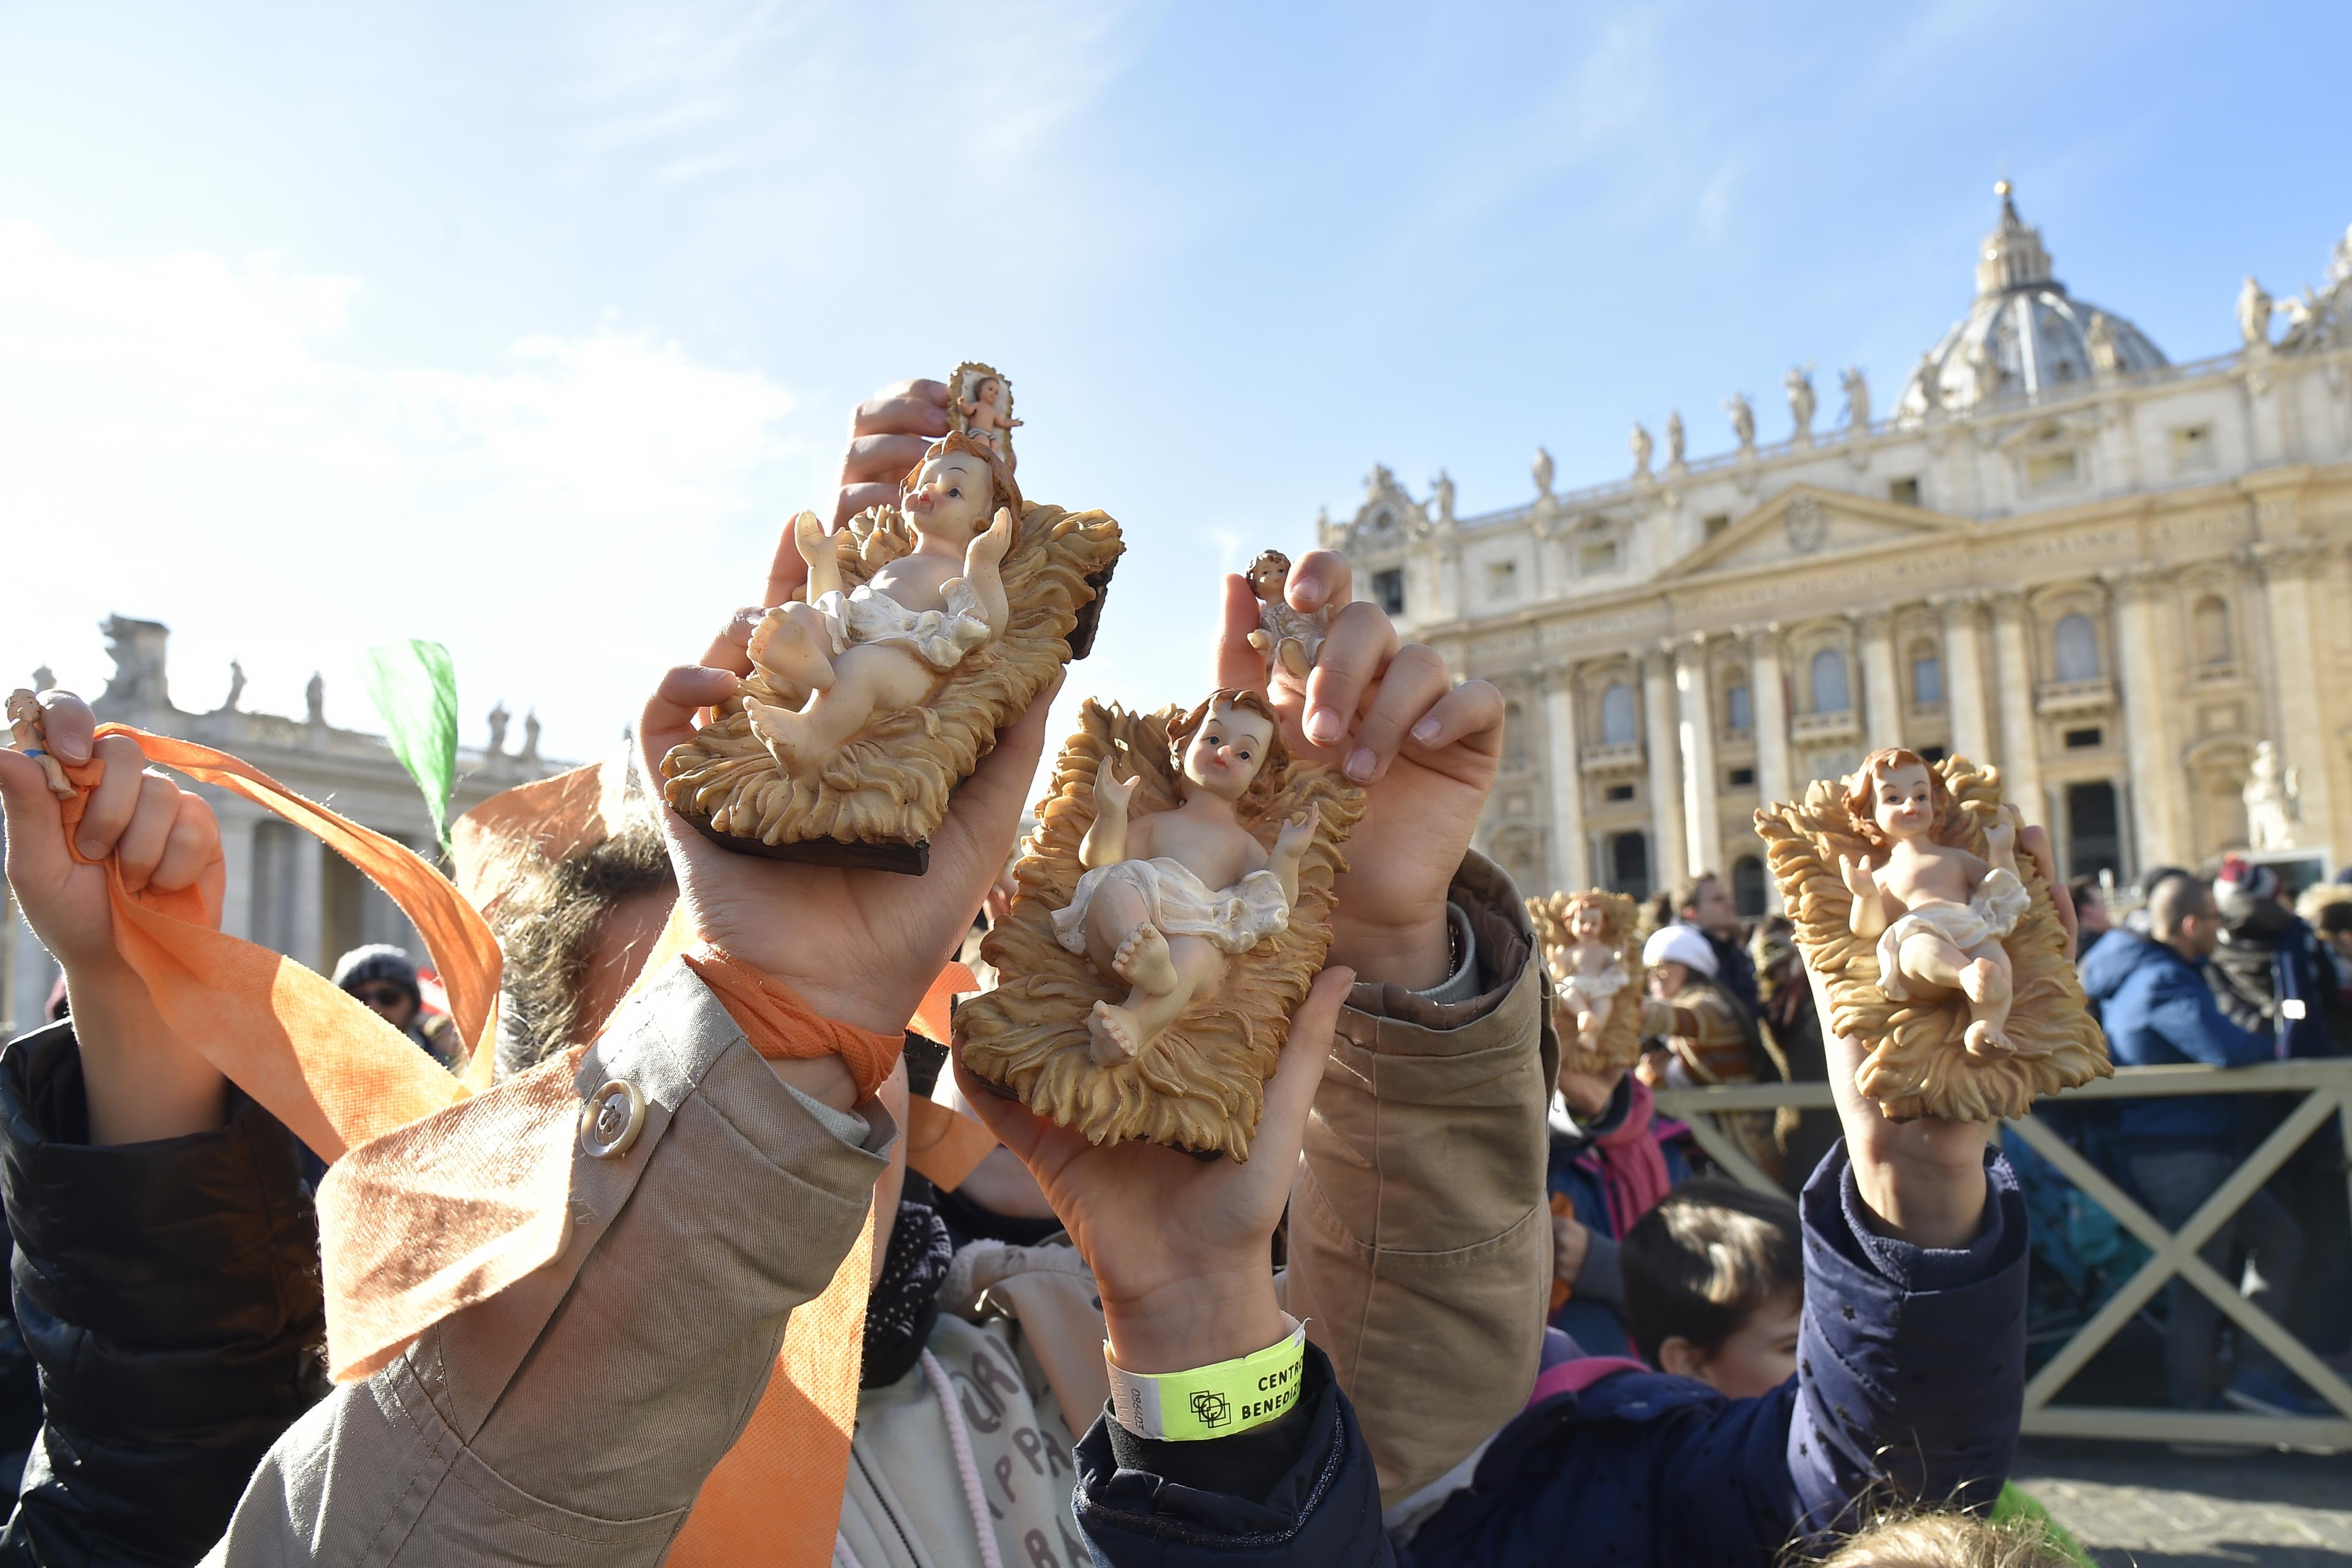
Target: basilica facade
{"points": [[2115, 575]]}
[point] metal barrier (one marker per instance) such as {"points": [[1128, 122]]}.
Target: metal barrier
{"points": [[2327, 1088]]}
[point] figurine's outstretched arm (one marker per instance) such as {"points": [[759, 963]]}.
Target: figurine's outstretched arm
{"points": [[1290, 848], [1869, 915], [1106, 842], [2000, 841], [983, 570], [815, 546]]}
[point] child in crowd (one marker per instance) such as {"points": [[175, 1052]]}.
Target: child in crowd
{"points": [[1612, 1158]]}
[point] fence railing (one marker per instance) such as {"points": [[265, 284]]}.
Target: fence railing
{"points": [[2326, 1088]]}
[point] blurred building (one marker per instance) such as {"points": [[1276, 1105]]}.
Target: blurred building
{"points": [[284, 890], [2057, 551]]}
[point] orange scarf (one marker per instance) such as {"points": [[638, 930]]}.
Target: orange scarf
{"points": [[444, 1189]]}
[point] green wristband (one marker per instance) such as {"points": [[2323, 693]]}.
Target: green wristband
{"points": [[1210, 1401]]}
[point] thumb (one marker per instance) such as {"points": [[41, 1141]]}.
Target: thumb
{"points": [[1239, 666], [36, 837]]}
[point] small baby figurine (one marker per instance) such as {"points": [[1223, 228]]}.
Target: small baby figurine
{"points": [[984, 408], [1939, 914], [24, 725], [1166, 899], [1287, 637], [1588, 968], [886, 645]]}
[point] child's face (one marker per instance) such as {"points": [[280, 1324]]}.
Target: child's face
{"points": [[1227, 750], [1904, 807], [1760, 1356], [1266, 581], [950, 497]]}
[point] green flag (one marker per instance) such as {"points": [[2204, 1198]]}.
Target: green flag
{"points": [[415, 687]]}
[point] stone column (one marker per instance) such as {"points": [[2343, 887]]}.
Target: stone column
{"points": [[2159, 811], [307, 930], [1964, 696], [1567, 847], [2020, 756], [1768, 703], [2286, 569], [1882, 689], [1702, 822], [1669, 849], [237, 821]]}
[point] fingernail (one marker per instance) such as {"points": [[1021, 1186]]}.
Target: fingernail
{"points": [[1361, 764], [73, 748], [1323, 726], [89, 851], [1425, 731]]}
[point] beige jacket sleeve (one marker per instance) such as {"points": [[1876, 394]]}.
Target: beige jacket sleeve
{"points": [[1420, 1234], [572, 1418]]}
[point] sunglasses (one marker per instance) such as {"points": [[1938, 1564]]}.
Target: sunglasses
{"points": [[385, 995]]}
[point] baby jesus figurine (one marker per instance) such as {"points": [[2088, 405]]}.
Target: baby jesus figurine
{"points": [[25, 726], [987, 410], [1937, 912], [1168, 897], [886, 645], [1287, 637], [1590, 970]]}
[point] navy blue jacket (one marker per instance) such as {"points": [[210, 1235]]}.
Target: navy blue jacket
{"points": [[2157, 1007], [1911, 1382]]}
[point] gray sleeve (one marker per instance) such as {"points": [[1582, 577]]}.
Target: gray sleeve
{"points": [[572, 1418], [1599, 1278]]}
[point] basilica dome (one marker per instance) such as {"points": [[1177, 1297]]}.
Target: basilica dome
{"points": [[2025, 335]]}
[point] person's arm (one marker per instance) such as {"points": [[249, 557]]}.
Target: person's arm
{"points": [[2186, 1017]]}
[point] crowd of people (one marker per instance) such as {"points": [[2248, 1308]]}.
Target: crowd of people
{"points": [[1536, 1331]]}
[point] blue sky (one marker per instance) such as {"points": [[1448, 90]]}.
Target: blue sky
{"points": [[524, 327]]}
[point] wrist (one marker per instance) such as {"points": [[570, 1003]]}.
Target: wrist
{"points": [[1415, 954], [1195, 1321], [1936, 1204]]}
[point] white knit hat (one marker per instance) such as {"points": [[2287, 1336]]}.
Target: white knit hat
{"points": [[1682, 944]]}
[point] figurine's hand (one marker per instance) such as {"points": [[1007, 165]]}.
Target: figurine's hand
{"points": [[1859, 878], [2000, 833], [888, 436], [1393, 720], [1179, 1246], [1922, 1181], [859, 946], [1299, 833], [988, 549], [810, 540], [139, 1082], [1110, 790]]}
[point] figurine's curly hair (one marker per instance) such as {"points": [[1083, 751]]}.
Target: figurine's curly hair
{"points": [[1271, 771], [1267, 558], [1000, 472], [1613, 919], [1861, 788]]}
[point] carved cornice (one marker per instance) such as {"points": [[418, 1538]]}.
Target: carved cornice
{"points": [[2138, 582], [2281, 560], [1876, 625]]}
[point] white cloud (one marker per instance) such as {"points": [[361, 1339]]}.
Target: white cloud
{"points": [[186, 438]]}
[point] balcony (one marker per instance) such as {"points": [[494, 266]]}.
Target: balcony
{"points": [[2074, 698], [1839, 724], [1626, 757]]}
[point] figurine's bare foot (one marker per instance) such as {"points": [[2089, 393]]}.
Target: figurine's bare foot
{"points": [[1984, 982], [1986, 1038], [1113, 1035], [1293, 656], [780, 647], [1142, 960], [784, 733]]}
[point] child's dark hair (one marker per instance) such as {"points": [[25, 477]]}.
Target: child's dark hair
{"points": [[1706, 1259]]}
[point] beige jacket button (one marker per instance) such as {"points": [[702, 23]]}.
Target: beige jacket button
{"points": [[611, 1121]]}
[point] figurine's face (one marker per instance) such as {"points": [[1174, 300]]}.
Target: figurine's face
{"points": [[1901, 804], [952, 496], [1584, 922], [1227, 750], [1266, 581], [987, 392]]}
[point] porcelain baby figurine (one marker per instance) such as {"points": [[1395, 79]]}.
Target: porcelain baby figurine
{"points": [[884, 645], [1287, 637], [1588, 968], [24, 725], [988, 413], [1168, 896], [1937, 912]]}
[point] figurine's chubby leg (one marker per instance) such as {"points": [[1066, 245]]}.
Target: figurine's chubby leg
{"points": [[790, 645], [1121, 1031], [1292, 657], [1143, 963], [1986, 982], [870, 679]]}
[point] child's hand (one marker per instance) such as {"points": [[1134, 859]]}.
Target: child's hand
{"points": [[1110, 790], [810, 539], [1571, 1240], [2001, 834]]}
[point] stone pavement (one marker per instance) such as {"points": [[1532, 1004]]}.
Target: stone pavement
{"points": [[2140, 1504]]}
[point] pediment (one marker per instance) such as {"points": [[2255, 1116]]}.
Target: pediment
{"points": [[1805, 524]]}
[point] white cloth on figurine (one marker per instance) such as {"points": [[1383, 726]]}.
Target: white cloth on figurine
{"points": [[1282, 624], [1176, 900], [938, 638], [1598, 988], [1999, 902]]}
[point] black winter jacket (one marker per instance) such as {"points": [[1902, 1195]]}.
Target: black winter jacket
{"points": [[169, 1292]]}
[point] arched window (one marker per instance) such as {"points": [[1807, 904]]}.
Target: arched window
{"points": [[1629, 865], [1739, 713], [1831, 694], [1747, 886], [1927, 675], [2215, 647], [1515, 736], [2077, 642], [1617, 715]]}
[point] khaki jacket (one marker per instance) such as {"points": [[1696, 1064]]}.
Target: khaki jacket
{"points": [[1420, 1231], [572, 1418]]}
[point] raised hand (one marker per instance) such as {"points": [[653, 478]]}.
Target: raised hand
{"points": [[1390, 717], [1112, 792], [988, 549], [1179, 1246], [1859, 878]]}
